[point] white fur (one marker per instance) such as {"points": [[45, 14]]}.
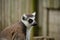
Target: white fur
{"points": [[25, 16], [28, 34], [28, 25], [34, 13], [28, 30]]}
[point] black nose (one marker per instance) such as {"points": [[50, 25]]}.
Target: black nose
{"points": [[34, 24]]}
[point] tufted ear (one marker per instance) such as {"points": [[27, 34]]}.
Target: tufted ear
{"points": [[34, 13], [24, 17]]}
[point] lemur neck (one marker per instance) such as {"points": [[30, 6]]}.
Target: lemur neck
{"points": [[26, 31], [24, 28]]}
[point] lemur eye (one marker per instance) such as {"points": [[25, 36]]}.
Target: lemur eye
{"points": [[30, 20], [24, 18]]}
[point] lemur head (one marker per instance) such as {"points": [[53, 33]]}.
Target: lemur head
{"points": [[29, 20]]}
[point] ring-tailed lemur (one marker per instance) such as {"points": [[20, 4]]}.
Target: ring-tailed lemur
{"points": [[20, 30]]}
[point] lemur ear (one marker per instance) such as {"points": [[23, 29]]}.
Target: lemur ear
{"points": [[24, 17], [34, 13]]}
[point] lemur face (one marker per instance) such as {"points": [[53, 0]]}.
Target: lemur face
{"points": [[29, 20]]}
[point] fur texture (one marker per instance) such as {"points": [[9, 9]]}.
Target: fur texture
{"points": [[20, 30], [14, 32]]}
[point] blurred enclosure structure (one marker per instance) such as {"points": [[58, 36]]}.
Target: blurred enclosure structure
{"points": [[11, 11], [48, 12], [47, 17]]}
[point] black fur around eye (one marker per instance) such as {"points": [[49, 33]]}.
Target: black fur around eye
{"points": [[24, 18], [30, 20]]}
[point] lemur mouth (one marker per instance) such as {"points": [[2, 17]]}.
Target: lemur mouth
{"points": [[34, 24]]}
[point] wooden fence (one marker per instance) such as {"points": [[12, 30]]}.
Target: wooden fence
{"points": [[11, 11], [48, 17]]}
